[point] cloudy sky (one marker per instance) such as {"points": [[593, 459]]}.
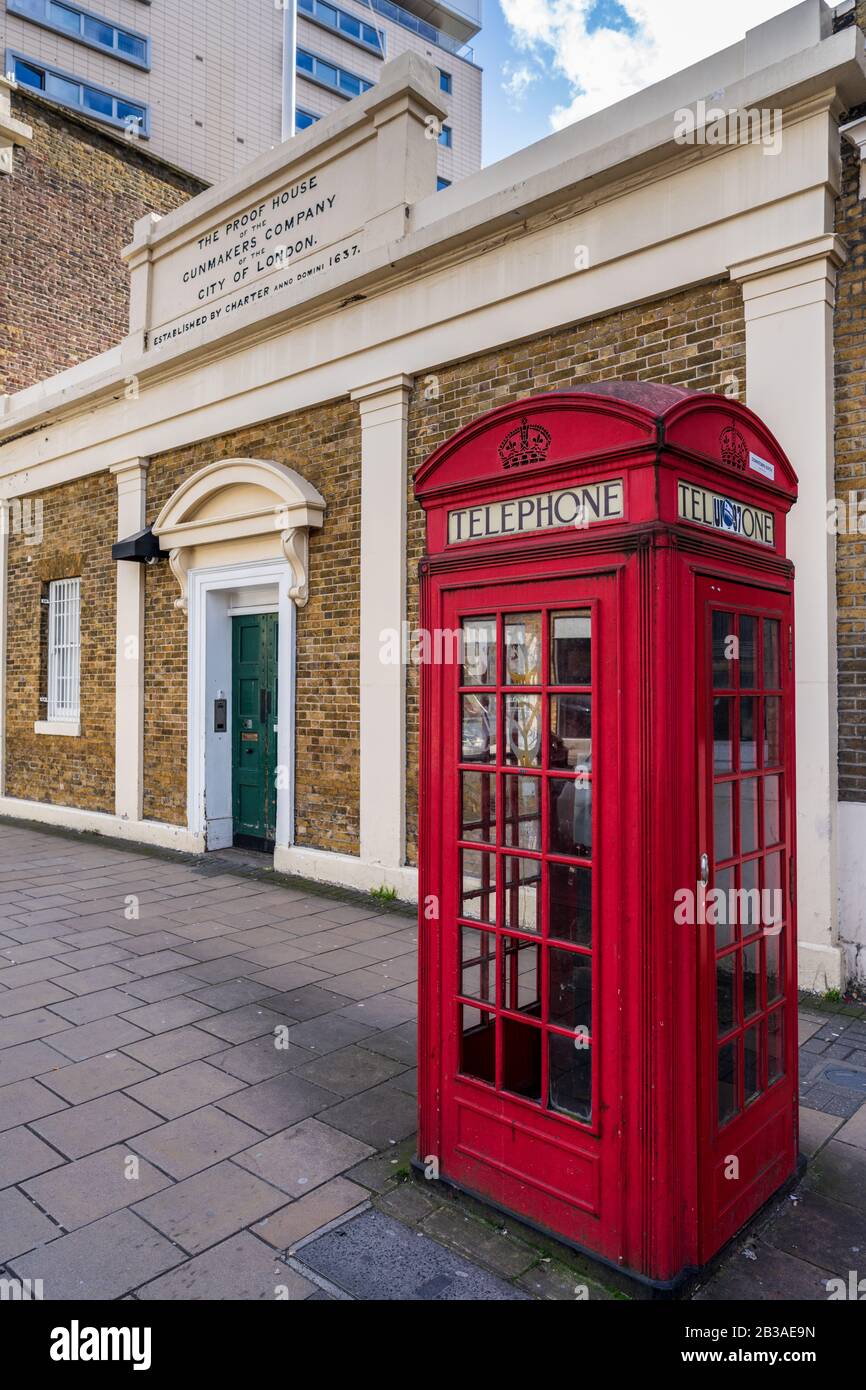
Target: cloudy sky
{"points": [[549, 62]]}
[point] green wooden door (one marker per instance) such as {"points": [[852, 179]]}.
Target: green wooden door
{"points": [[254, 740]]}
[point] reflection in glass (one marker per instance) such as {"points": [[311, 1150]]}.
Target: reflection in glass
{"points": [[478, 965], [772, 820], [773, 949], [521, 1059], [570, 826], [723, 821], [569, 979], [477, 1044], [727, 1081], [723, 648], [726, 998], [478, 896], [570, 649], [523, 730], [751, 1062], [751, 972], [479, 651], [522, 894], [722, 753], [773, 874], [522, 797], [748, 652], [748, 738], [478, 730], [775, 1047], [521, 987], [772, 731], [748, 815], [570, 1063], [570, 903], [571, 732], [771, 654], [523, 649], [724, 912], [478, 807]]}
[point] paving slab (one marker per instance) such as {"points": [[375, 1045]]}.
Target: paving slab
{"points": [[204, 1209], [310, 1001], [28, 1059], [96, 1124], [99, 1003], [91, 1187], [104, 1260], [816, 1127], [81, 1081], [853, 1131], [173, 1049], [272, 1105], [249, 1021], [285, 1228], [199, 1140], [350, 1071], [167, 1014], [27, 1100], [772, 1274], [100, 1036], [303, 1156], [820, 1231], [22, 1225], [839, 1171], [373, 1257], [381, 1116], [240, 1268], [23, 1155], [186, 1088]]}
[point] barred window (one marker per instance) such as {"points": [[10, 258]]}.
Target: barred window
{"points": [[64, 649]]}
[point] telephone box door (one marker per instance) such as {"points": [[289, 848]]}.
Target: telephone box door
{"points": [[530, 889], [746, 913]]}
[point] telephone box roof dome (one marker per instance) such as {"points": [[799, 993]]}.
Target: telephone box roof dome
{"points": [[648, 395]]}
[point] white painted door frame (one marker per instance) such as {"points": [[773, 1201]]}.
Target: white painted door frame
{"points": [[209, 808]]}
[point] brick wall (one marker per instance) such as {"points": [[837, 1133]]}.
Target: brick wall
{"points": [[324, 445], [78, 526], [696, 340], [66, 213]]}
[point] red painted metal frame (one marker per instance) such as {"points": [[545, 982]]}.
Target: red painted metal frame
{"points": [[638, 1186]]}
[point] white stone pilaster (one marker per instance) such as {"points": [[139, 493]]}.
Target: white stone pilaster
{"points": [[129, 670], [4, 602], [382, 753], [789, 299]]}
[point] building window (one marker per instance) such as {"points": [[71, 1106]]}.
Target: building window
{"points": [[347, 84], [303, 119], [96, 102], [348, 26], [444, 81], [442, 183], [84, 27], [446, 137], [64, 650]]}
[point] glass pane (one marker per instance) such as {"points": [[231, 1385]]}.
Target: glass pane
{"points": [[64, 18], [570, 1061], [748, 815], [478, 1044], [726, 1000], [523, 730], [523, 649], [571, 816], [521, 1059], [751, 971], [724, 911], [773, 875], [478, 807], [570, 903], [723, 821], [478, 898], [571, 732], [722, 759], [775, 1047], [522, 811], [772, 820], [479, 651], [749, 901], [522, 894], [130, 45], [723, 648], [28, 75], [98, 101], [772, 731], [478, 965], [727, 1085], [98, 32], [521, 988], [771, 654], [62, 90], [748, 652], [773, 948], [570, 649], [478, 737], [570, 988], [751, 1063], [748, 741]]}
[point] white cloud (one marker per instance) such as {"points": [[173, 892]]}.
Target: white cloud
{"points": [[516, 83], [608, 64]]}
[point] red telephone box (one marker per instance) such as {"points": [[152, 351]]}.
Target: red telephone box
{"points": [[607, 917]]}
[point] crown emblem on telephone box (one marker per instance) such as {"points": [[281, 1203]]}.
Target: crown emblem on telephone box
{"points": [[524, 444], [734, 451]]}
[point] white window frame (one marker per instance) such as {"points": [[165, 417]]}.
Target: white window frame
{"points": [[64, 658]]}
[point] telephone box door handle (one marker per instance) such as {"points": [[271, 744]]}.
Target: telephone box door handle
{"points": [[705, 870]]}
